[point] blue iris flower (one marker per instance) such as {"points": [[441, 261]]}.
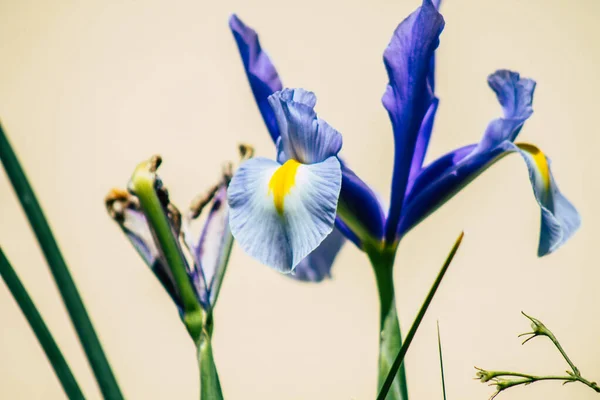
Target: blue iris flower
{"points": [[416, 190], [282, 210]]}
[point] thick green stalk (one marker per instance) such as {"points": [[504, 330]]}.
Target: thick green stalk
{"points": [[390, 338], [398, 362], [41, 331], [64, 281], [210, 387], [142, 184]]}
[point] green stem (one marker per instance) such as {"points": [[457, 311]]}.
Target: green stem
{"points": [[527, 379], [398, 361], [390, 337], [64, 281], [564, 354], [44, 337], [210, 387]]}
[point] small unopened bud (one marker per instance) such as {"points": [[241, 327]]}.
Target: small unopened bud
{"points": [[483, 375], [539, 329]]}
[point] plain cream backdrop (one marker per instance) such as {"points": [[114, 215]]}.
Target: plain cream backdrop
{"points": [[88, 89]]}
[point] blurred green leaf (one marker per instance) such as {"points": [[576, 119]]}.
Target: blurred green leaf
{"points": [[40, 329], [60, 272]]}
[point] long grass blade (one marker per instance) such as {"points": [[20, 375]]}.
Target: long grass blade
{"points": [[64, 281], [413, 329], [441, 360], [40, 329]]}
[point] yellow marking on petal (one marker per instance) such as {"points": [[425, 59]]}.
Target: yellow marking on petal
{"points": [[282, 182], [540, 160]]}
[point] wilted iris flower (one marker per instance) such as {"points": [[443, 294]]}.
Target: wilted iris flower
{"points": [[205, 255], [416, 190], [190, 267]]}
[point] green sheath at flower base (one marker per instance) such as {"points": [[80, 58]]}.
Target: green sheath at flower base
{"points": [[210, 387], [142, 184]]}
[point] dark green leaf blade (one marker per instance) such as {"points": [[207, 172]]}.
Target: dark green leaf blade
{"points": [[40, 329], [441, 360], [60, 272]]}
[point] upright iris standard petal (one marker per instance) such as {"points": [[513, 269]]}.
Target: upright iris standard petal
{"points": [[261, 73], [281, 213], [408, 95], [304, 137], [446, 176], [422, 144], [515, 95]]}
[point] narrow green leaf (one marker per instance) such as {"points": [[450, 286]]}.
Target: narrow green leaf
{"points": [[441, 360], [40, 329], [413, 329], [60, 272]]}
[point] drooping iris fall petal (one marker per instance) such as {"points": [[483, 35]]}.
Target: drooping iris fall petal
{"points": [[446, 176], [280, 214]]}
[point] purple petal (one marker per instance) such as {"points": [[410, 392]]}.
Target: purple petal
{"points": [[408, 95], [446, 176], [515, 95], [214, 244], [422, 144], [261, 73], [124, 209], [317, 265], [304, 137], [359, 209]]}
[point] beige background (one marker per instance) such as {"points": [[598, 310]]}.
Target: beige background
{"points": [[88, 89]]}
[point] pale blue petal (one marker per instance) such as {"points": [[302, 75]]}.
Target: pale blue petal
{"points": [[559, 218], [304, 137], [281, 241], [515, 95], [317, 265]]}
